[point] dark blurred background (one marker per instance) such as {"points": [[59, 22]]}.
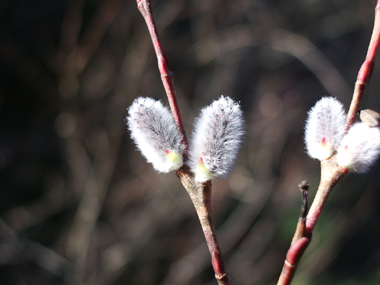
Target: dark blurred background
{"points": [[79, 204]]}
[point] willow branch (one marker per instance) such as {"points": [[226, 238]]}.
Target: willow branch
{"points": [[200, 193], [331, 172], [164, 67], [365, 70]]}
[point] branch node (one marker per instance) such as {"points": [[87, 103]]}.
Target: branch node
{"points": [[289, 264], [304, 188], [301, 225]]}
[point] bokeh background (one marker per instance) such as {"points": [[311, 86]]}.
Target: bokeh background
{"points": [[79, 204]]}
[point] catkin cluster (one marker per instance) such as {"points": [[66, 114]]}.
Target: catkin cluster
{"points": [[214, 145], [356, 150]]}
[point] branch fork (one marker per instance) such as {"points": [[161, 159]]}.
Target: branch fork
{"points": [[200, 194]]}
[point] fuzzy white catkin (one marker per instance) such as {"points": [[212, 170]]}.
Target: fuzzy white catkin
{"points": [[324, 128], [216, 139], [153, 130], [360, 148]]}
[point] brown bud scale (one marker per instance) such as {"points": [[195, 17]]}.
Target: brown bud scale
{"points": [[370, 117]]}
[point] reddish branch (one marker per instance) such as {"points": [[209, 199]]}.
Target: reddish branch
{"points": [[163, 66], [331, 173], [200, 193], [365, 71]]}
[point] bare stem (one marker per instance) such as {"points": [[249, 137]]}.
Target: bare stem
{"points": [[164, 67], [365, 70], [200, 194], [331, 172], [293, 256]]}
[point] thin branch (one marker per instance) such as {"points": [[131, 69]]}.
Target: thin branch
{"points": [[200, 194], [365, 70], [72, 22], [301, 226], [331, 172], [95, 32], [164, 67]]}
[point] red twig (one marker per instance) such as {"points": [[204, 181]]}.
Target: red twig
{"points": [[331, 172], [294, 254], [164, 67], [365, 70]]}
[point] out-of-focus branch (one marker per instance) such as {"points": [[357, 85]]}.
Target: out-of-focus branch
{"points": [[89, 208], [97, 174], [95, 31], [71, 25], [70, 66]]}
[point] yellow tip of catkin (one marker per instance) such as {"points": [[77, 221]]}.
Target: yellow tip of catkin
{"points": [[202, 174], [345, 158], [325, 151], [175, 159]]}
